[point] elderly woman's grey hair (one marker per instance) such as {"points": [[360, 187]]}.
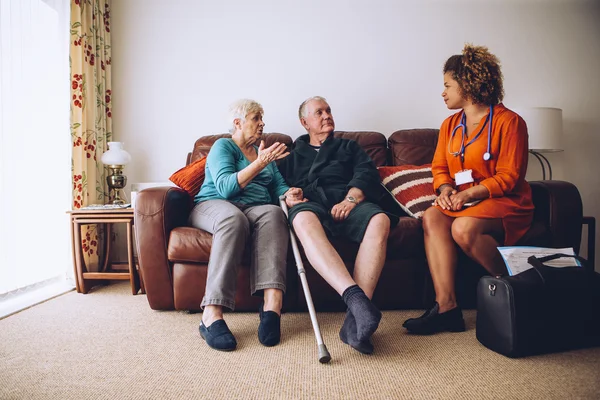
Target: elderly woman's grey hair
{"points": [[239, 109], [302, 108]]}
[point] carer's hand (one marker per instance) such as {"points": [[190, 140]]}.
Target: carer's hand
{"points": [[443, 200], [341, 210], [459, 199], [276, 151]]}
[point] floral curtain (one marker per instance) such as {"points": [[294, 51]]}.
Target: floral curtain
{"points": [[91, 118]]}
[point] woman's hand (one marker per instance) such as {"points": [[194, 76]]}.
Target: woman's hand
{"points": [[443, 200], [340, 211], [276, 151], [459, 199], [294, 196]]}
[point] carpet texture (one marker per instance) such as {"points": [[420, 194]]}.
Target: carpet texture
{"points": [[109, 344]]}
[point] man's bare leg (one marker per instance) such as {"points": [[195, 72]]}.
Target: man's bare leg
{"points": [[327, 262], [320, 253], [371, 254], [367, 270]]}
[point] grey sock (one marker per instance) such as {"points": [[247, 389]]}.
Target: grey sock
{"points": [[365, 313], [348, 336]]}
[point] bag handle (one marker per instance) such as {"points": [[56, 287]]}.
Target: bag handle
{"points": [[535, 261], [538, 263]]}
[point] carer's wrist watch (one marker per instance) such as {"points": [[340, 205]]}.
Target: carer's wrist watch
{"points": [[352, 199]]}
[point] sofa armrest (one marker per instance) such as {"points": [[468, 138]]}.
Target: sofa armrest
{"points": [[158, 211], [559, 207]]}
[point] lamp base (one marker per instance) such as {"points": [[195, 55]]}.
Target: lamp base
{"points": [[544, 163], [116, 199], [116, 181]]}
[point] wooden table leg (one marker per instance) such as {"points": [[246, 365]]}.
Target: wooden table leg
{"points": [[142, 287], [106, 228], [74, 244], [133, 278], [80, 262]]}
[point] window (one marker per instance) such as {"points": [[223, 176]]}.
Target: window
{"points": [[35, 145]]}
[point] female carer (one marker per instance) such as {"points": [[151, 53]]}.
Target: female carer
{"points": [[479, 171]]}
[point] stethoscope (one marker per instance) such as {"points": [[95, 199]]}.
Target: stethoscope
{"points": [[463, 124]]}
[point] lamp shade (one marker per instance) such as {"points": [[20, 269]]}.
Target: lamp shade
{"points": [[545, 128], [115, 154]]}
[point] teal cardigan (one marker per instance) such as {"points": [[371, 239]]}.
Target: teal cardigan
{"points": [[223, 163]]}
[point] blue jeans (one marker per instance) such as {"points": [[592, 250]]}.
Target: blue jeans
{"points": [[234, 226]]}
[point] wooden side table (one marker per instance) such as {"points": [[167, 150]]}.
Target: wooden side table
{"points": [[105, 217]]}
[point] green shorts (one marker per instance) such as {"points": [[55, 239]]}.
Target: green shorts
{"points": [[352, 228]]}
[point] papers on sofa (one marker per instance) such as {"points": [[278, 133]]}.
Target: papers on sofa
{"points": [[515, 257]]}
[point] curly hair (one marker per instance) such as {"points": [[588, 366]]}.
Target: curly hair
{"points": [[477, 72]]}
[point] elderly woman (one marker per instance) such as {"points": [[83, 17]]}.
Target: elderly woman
{"points": [[479, 171], [237, 204]]}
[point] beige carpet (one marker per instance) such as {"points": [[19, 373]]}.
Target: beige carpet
{"points": [[110, 345]]}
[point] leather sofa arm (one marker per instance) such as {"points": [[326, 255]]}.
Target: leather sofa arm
{"points": [[559, 207], [158, 211]]}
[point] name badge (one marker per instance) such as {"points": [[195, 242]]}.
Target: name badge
{"points": [[464, 176]]}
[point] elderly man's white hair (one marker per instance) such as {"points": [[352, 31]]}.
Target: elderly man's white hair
{"points": [[302, 108], [239, 109]]}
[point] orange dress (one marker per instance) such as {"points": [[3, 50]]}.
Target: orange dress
{"points": [[503, 175]]}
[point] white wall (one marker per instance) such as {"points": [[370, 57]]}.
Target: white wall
{"points": [[177, 64]]}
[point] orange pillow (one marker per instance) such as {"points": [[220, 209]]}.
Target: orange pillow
{"points": [[190, 177]]}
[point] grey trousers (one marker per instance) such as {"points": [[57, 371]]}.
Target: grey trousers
{"points": [[234, 226]]}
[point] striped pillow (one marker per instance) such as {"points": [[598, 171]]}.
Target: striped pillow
{"points": [[411, 186], [190, 177]]}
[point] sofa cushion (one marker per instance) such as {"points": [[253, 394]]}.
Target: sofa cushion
{"points": [[412, 146], [373, 143], [203, 145], [189, 245], [411, 185], [406, 240], [190, 177]]}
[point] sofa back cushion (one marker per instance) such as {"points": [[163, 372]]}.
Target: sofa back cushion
{"points": [[373, 143], [412, 146], [203, 145]]}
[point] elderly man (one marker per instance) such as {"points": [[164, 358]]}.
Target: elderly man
{"points": [[342, 185]]}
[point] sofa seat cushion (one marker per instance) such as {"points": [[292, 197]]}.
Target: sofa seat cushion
{"points": [[406, 239], [189, 245], [193, 245]]}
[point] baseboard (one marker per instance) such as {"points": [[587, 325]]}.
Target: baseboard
{"points": [[13, 304]]}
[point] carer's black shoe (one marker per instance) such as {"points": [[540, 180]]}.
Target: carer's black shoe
{"points": [[432, 322], [218, 336]]}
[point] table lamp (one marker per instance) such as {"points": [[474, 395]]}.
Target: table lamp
{"points": [[115, 159], [545, 128]]}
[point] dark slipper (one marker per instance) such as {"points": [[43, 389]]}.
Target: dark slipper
{"points": [[218, 336], [269, 329], [432, 321]]}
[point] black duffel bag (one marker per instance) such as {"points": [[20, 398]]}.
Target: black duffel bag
{"points": [[541, 310]]}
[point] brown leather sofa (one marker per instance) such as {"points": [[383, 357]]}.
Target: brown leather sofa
{"points": [[173, 257]]}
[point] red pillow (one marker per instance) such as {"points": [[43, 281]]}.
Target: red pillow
{"points": [[411, 186], [190, 177]]}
